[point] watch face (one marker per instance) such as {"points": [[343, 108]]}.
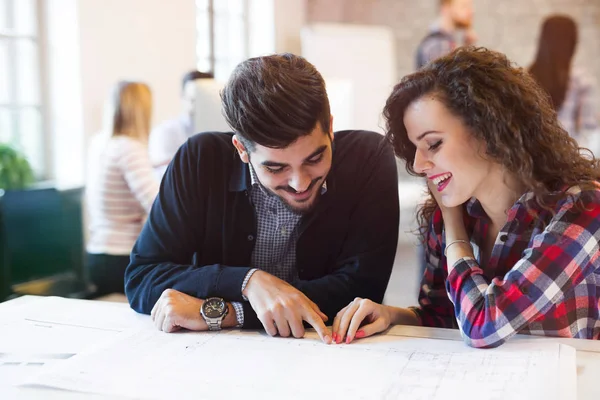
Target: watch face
{"points": [[214, 308]]}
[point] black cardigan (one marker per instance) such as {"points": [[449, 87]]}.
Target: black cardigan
{"points": [[199, 236]]}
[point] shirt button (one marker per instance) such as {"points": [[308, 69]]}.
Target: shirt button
{"points": [[250, 237], [504, 237]]}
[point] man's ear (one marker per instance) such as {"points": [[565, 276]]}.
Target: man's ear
{"points": [[331, 127], [241, 149]]}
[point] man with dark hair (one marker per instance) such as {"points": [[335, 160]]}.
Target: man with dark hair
{"points": [[280, 222], [166, 138], [455, 15]]}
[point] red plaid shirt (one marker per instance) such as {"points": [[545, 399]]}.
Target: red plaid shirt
{"points": [[543, 276]]}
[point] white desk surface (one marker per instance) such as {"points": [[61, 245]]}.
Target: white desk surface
{"points": [[588, 357]]}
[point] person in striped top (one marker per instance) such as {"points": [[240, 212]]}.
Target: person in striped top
{"points": [[121, 186], [512, 225]]}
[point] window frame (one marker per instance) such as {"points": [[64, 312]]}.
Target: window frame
{"points": [[13, 105], [209, 62]]}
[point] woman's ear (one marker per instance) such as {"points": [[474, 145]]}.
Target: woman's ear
{"points": [[241, 149]]}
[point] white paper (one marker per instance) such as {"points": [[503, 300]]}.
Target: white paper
{"points": [[44, 332], [84, 313], [154, 365]]}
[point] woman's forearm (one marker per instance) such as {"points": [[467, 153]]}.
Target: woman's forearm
{"points": [[403, 316], [457, 240]]}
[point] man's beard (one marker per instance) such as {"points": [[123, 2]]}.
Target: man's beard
{"points": [[310, 206]]}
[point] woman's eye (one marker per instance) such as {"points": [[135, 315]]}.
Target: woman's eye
{"points": [[436, 145]]}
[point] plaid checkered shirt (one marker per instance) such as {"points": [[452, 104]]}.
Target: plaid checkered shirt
{"points": [[542, 278]]}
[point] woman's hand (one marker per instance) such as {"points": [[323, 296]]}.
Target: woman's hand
{"points": [[376, 318], [448, 213]]}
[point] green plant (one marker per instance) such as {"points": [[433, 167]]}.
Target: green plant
{"points": [[15, 171]]}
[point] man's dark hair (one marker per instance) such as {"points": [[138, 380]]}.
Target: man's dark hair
{"points": [[274, 100], [192, 76]]}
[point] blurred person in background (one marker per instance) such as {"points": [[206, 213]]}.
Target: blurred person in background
{"points": [[455, 16], [121, 186], [167, 137], [573, 92]]}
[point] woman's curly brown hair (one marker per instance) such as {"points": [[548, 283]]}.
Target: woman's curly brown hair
{"points": [[502, 106]]}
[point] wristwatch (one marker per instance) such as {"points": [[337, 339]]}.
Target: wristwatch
{"points": [[214, 310]]}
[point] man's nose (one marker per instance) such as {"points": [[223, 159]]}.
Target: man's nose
{"points": [[300, 182]]}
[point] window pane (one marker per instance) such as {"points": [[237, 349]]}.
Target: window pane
{"points": [[223, 68], [203, 65], [220, 6], [237, 48], [4, 72], [221, 36], [203, 35], [3, 15], [6, 127], [25, 17], [28, 82], [202, 5], [236, 7], [30, 137]]}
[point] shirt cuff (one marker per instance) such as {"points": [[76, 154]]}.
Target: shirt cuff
{"points": [[246, 280], [239, 313], [465, 274]]}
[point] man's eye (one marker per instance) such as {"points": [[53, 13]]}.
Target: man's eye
{"points": [[274, 170], [315, 159]]}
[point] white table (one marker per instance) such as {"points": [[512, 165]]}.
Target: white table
{"points": [[588, 356]]}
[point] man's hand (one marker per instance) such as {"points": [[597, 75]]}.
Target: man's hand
{"points": [[281, 308], [175, 310]]}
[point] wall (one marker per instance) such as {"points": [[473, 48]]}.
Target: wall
{"points": [[92, 44], [150, 40], [510, 26]]}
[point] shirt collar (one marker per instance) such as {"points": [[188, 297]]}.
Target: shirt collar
{"points": [[240, 179], [475, 209]]}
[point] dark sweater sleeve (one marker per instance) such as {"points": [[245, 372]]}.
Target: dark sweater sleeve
{"points": [[365, 263], [162, 256]]}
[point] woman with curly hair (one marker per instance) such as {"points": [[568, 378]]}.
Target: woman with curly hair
{"points": [[512, 226]]}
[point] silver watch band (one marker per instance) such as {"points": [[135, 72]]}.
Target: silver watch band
{"points": [[214, 324]]}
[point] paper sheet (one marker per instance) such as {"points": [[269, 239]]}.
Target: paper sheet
{"points": [[46, 331], [154, 365], [84, 313]]}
